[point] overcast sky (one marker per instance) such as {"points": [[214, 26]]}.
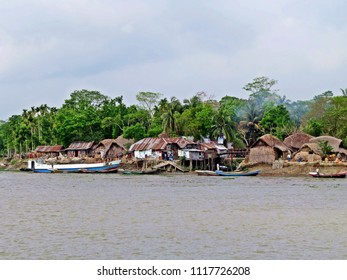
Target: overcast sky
{"points": [[49, 48]]}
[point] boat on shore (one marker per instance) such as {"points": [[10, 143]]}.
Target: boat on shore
{"points": [[139, 172], [250, 173], [206, 173], [38, 166], [322, 175]]}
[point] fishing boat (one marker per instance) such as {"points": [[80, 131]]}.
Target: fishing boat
{"points": [[38, 166], [250, 173], [321, 175]]}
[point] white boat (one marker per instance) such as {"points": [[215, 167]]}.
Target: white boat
{"points": [[104, 167]]}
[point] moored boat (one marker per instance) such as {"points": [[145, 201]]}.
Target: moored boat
{"points": [[140, 172], [250, 173], [103, 167], [206, 173], [322, 175]]}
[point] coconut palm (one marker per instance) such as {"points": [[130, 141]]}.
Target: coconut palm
{"points": [[169, 122]]}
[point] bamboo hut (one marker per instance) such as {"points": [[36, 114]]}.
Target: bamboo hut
{"points": [[267, 149]]}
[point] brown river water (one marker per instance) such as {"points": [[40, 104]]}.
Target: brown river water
{"points": [[115, 216]]}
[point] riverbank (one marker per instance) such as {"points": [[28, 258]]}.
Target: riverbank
{"points": [[294, 169], [286, 169]]}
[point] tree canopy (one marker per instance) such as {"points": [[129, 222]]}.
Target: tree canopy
{"points": [[91, 116]]}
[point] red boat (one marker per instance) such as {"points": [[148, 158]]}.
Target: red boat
{"points": [[321, 175]]}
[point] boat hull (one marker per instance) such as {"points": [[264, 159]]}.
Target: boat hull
{"points": [[319, 175], [237, 174], [108, 167]]}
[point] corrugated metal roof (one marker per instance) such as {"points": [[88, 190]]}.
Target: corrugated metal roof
{"points": [[159, 143], [80, 146], [49, 149]]}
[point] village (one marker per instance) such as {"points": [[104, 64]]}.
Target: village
{"points": [[298, 154]]}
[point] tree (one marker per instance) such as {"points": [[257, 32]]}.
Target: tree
{"points": [[168, 116], [277, 121], [148, 100], [261, 84], [344, 91], [325, 147], [334, 118]]}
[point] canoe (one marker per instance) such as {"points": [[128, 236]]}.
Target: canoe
{"points": [[140, 172], [321, 175], [250, 173], [206, 173], [103, 167]]}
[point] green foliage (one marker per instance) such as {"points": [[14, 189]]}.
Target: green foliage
{"points": [[325, 147], [92, 116], [136, 131], [277, 121], [314, 127]]}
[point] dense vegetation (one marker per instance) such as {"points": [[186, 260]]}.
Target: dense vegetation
{"points": [[92, 116]]}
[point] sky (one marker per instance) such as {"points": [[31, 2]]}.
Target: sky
{"points": [[50, 48]]}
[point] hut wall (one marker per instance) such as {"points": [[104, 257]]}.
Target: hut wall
{"points": [[114, 151], [262, 154]]}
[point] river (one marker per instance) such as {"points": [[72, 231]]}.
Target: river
{"points": [[115, 216]]}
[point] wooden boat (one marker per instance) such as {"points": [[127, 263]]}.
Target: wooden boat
{"points": [[206, 173], [103, 167], [250, 173], [140, 172], [321, 175]]}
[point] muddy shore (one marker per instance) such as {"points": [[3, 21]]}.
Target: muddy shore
{"points": [[287, 169]]}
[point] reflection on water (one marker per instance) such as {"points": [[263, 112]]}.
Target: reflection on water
{"points": [[114, 216]]}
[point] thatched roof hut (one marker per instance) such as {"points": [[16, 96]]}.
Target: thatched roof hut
{"points": [[109, 148], [296, 140], [335, 143], [124, 142], [267, 149], [332, 141], [309, 152]]}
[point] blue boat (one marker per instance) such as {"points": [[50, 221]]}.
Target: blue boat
{"points": [[250, 173]]}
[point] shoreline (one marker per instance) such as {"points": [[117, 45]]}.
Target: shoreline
{"points": [[286, 169]]}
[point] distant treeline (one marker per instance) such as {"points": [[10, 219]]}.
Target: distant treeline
{"points": [[92, 116]]}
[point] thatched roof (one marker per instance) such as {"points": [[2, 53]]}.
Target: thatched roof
{"points": [[124, 141], [271, 141], [314, 147], [332, 141], [107, 143], [296, 140]]}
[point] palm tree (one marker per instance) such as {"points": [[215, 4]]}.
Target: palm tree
{"points": [[225, 126], [169, 122], [344, 91]]}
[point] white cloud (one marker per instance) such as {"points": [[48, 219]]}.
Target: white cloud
{"points": [[50, 48]]}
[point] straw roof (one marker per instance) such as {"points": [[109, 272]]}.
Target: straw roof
{"points": [[332, 141], [271, 141], [313, 147], [124, 141], [296, 140], [107, 143]]}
